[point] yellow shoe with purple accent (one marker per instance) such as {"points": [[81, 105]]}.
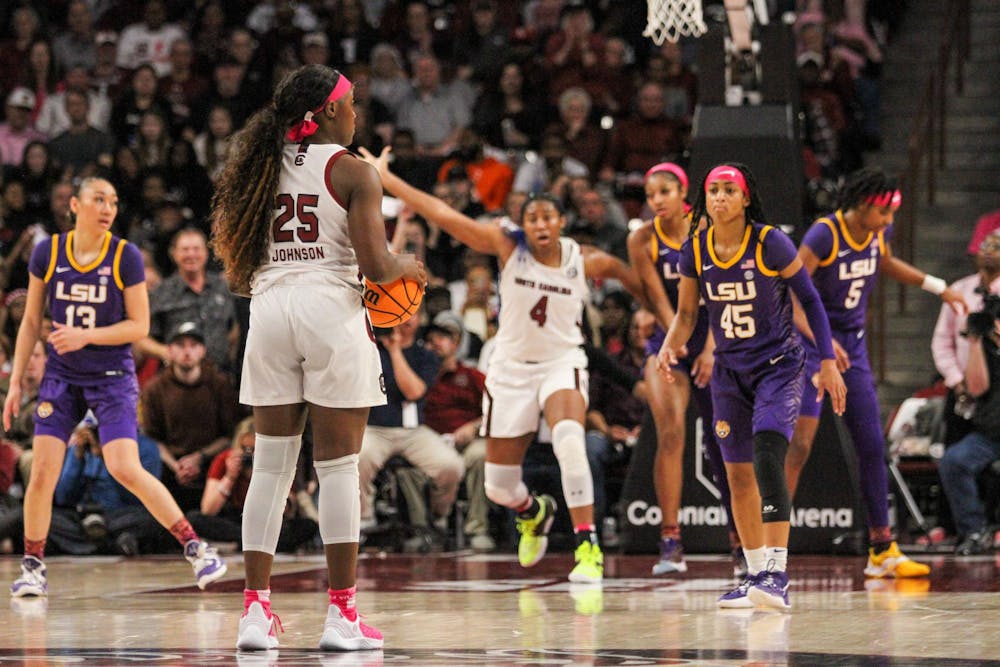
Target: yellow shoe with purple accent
{"points": [[894, 563]]}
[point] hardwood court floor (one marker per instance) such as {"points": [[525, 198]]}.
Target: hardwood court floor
{"points": [[484, 610]]}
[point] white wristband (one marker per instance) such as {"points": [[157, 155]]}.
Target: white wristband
{"points": [[933, 284]]}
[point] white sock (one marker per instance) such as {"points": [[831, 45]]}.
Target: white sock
{"points": [[776, 559], [756, 559]]}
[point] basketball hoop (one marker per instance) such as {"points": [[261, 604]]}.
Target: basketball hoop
{"points": [[670, 19]]}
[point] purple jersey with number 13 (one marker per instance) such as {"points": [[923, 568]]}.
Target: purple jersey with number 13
{"points": [[88, 296]]}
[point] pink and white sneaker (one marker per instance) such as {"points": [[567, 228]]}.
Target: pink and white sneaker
{"points": [[258, 631], [339, 634]]}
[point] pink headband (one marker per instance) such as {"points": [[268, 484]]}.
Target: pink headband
{"points": [[670, 168], [891, 198], [307, 126], [724, 172]]}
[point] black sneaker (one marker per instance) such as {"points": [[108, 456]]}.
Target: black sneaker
{"points": [[979, 542]]}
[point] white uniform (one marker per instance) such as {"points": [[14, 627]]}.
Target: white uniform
{"points": [[538, 343], [309, 337]]}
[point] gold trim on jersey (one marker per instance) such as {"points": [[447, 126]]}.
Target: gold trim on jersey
{"points": [[881, 243], [760, 252], [847, 235], [658, 228], [696, 246], [736, 256], [828, 260], [97, 261], [116, 265], [53, 255]]}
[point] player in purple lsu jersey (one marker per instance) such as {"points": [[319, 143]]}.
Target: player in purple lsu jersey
{"points": [[655, 253], [743, 270], [844, 251], [95, 288]]}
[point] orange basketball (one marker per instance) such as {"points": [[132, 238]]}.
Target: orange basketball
{"points": [[392, 303]]}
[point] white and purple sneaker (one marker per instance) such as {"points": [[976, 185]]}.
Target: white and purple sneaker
{"points": [[32, 580], [205, 560], [737, 598], [770, 590]]}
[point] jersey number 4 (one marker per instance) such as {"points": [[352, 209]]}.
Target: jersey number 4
{"points": [[307, 229], [538, 311]]}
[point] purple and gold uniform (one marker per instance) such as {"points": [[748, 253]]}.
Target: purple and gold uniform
{"points": [[101, 377], [845, 278], [757, 380]]}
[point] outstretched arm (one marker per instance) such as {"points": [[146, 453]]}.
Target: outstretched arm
{"points": [[599, 264], [649, 278], [908, 274], [488, 239]]}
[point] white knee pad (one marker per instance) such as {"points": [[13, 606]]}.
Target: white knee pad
{"points": [[274, 461], [339, 499], [504, 485], [569, 446]]}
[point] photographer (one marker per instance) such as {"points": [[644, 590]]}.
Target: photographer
{"points": [[92, 512], [950, 348], [221, 515], [963, 461]]}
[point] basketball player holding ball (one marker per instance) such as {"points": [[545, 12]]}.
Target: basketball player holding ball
{"points": [[295, 216], [538, 364]]}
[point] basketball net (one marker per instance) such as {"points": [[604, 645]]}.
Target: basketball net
{"points": [[670, 19]]}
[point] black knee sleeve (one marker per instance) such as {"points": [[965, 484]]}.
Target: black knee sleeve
{"points": [[769, 449]]}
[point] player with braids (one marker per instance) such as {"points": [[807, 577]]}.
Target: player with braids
{"points": [[743, 268], [844, 251], [654, 253], [538, 365], [295, 240]]}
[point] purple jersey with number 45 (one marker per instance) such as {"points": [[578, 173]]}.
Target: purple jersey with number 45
{"points": [[748, 303], [88, 296]]}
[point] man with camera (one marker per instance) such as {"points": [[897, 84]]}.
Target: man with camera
{"points": [[963, 461]]}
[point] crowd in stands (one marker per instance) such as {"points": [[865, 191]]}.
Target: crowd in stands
{"points": [[482, 101]]}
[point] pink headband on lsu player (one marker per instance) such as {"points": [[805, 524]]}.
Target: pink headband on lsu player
{"points": [[724, 172], [307, 126], [670, 168], [891, 198]]}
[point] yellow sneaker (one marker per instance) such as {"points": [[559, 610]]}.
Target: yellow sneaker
{"points": [[535, 532], [894, 563], [589, 564]]}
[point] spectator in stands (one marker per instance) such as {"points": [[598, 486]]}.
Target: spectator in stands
{"points": [[188, 182], [407, 161], [481, 53], [92, 512], [966, 459], [985, 225], [644, 138], [220, 516], [454, 409], [190, 410], [74, 46], [81, 145], [353, 38], [823, 112], [573, 54], [149, 42], [374, 122], [230, 88], [949, 345], [39, 173], [593, 225], [152, 145], [39, 75], [680, 84], [106, 76], [616, 78], [18, 130], [140, 97], [552, 170], [182, 88], [509, 114], [212, 146], [585, 141], [22, 428], [491, 179], [25, 29], [399, 429], [389, 83], [315, 49], [418, 38], [53, 119], [192, 294], [436, 113]]}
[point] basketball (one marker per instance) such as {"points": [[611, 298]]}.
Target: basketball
{"points": [[392, 303]]}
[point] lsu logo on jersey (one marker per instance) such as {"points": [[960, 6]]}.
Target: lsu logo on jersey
{"points": [[44, 410], [722, 428], [738, 291], [82, 293], [859, 268]]}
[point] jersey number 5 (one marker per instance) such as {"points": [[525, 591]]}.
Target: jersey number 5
{"points": [[308, 228], [737, 320]]}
